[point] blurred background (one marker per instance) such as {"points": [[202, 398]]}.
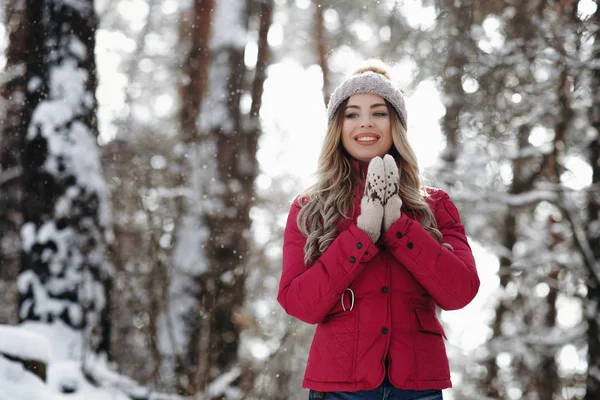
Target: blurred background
{"points": [[150, 151]]}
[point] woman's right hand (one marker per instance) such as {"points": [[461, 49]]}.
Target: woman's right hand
{"points": [[392, 201], [371, 206]]}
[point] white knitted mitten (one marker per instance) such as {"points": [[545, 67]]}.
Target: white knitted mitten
{"points": [[392, 202], [371, 205]]}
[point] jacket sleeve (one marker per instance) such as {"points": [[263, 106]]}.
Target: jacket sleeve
{"points": [[450, 278], [310, 292]]}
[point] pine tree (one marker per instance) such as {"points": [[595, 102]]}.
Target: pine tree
{"points": [[65, 278]]}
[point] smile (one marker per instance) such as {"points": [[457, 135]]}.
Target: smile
{"points": [[366, 138]]}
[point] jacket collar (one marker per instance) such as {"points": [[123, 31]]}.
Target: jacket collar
{"points": [[360, 169]]}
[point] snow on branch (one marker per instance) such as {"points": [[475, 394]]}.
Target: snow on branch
{"points": [[221, 384], [534, 151], [547, 337], [581, 240], [524, 199], [228, 27], [16, 71]]}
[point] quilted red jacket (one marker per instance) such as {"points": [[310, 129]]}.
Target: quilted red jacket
{"points": [[396, 284]]}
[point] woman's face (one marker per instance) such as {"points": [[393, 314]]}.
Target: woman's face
{"points": [[366, 131]]}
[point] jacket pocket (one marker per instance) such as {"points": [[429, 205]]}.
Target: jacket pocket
{"points": [[430, 352], [429, 322], [336, 315]]}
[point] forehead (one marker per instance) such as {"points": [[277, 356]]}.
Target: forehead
{"points": [[364, 99]]}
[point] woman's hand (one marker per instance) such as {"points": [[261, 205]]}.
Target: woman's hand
{"points": [[371, 205], [392, 202]]}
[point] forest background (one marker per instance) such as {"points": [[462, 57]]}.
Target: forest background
{"points": [[150, 150]]}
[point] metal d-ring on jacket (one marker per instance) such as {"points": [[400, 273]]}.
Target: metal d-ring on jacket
{"points": [[388, 291]]}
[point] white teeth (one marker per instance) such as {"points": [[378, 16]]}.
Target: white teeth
{"points": [[366, 139]]}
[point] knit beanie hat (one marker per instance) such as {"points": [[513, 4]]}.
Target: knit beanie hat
{"points": [[371, 78]]}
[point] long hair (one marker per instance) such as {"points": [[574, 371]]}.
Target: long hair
{"points": [[331, 197]]}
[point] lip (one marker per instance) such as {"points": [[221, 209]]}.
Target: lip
{"points": [[367, 134]]}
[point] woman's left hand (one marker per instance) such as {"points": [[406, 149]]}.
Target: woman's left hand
{"points": [[392, 202]]}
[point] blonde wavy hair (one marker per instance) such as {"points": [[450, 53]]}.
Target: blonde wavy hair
{"points": [[332, 196]]}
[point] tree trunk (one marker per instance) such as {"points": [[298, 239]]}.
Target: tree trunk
{"points": [[12, 92], [208, 280], [517, 310], [184, 311], [593, 286], [195, 68], [235, 139], [64, 274], [321, 47], [460, 21], [548, 381]]}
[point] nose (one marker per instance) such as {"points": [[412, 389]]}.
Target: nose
{"points": [[366, 121]]}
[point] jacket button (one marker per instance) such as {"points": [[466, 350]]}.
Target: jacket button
{"points": [[384, 331], [352, 259], [399, 235], [410, 245], [359, 245], [384, 289]]}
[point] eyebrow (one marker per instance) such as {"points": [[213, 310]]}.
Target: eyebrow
{"points": [[372, 106]]}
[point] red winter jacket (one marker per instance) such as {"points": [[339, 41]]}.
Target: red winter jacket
{"points": [[396, 282]]}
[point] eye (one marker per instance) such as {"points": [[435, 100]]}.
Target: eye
{"points": [[352, 115], [380, 114]]}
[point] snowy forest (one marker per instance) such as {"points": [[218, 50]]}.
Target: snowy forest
{"points": [[150, 150]]}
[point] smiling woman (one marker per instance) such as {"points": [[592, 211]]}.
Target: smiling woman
{"points": [[369, 254]]}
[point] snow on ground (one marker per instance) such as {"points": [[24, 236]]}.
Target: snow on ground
{"points": [[65, 378], [20, 343], [18, 384]]}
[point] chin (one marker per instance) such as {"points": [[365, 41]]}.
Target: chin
{"points": [[365, 159], [368, 157]]}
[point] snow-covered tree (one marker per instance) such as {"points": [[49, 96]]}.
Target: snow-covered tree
{"points": [[65, 277], [519, 81], [12, 92]]}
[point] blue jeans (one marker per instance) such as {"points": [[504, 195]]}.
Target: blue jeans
{"points": [[381, 393], [384, 392]]}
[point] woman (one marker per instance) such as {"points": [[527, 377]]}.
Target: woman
{"points": [[369, 253]]}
